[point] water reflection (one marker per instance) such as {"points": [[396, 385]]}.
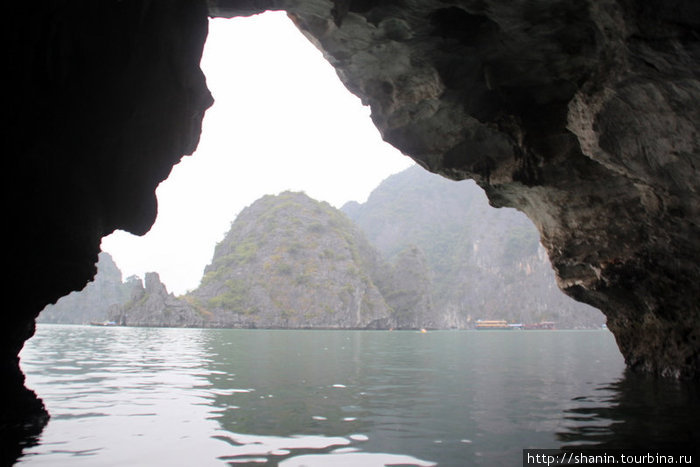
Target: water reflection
{"points": [[297, 398], [129, 396], [635, 412], [449, 398], [116, 393]]}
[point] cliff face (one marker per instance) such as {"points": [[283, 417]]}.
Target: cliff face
{"points": [[292, 262], [407, 288], [481, 262]]}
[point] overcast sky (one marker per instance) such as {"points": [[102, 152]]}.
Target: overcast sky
{"points": [[282, 120]]}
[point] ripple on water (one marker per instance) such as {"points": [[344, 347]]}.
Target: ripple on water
{"points": [[365, 459], [230, 392], [167, 394], [245, 447], [72, 415]]}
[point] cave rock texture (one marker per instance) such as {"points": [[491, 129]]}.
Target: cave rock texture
{"points": [[584, 115], [104, 97]]}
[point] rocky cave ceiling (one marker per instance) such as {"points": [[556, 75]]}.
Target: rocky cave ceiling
{"points": [[584, 115]]}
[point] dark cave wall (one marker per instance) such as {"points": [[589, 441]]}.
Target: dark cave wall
{"points": [[104, 97], [582, 114]]}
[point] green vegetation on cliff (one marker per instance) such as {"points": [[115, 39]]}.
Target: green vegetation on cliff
{"points": [[291, 261]]}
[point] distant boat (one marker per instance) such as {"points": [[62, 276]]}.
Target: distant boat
{"points": [[492, 325], [548, 325], [103, 323]]}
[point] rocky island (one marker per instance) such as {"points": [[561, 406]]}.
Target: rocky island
{"points": [[150, 304], [292, 262], [393, 262]]}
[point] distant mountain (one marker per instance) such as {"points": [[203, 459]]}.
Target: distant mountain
{"points": [[481, 262], [93, 302], [422, 252], [289, 261]]}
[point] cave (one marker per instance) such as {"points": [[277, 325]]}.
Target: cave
{"points": [[583, 115]]}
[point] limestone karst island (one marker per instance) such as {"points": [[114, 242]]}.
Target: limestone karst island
{"points": [[289, 261]]}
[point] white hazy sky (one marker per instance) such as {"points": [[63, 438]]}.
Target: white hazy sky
{"points": [[282, 120]]}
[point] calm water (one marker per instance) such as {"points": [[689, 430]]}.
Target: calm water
{"points": [[196, 397]]}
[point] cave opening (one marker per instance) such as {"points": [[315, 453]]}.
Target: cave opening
{"points": [[635, 279], [281, 120]]}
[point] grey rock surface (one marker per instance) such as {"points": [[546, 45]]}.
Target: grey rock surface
{"points": [[583, 115]]}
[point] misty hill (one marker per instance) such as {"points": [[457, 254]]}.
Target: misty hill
{"points": [[289, 261], [481, 262], [93, 302], [423, 251]]}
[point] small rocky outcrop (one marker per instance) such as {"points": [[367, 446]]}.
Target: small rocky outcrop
{"points": [[292, 262], [152, 305], [93, 303]]}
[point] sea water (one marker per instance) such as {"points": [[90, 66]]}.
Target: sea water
{"points": [[194, 397]]}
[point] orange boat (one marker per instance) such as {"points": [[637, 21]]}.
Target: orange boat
{"points": [[496, 324]]}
